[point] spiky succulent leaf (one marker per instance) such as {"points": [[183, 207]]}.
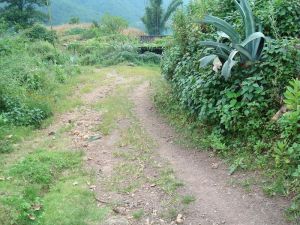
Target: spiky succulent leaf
{"points": [[222, 25], [205, 61], [244, 52], [255, 40], [227, 67], [215, 45]]}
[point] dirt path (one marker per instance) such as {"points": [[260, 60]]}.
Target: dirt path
{"points": [[138, 169], [217, 202]]}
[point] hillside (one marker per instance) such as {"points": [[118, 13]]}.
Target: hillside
{"points": [[89, 10]]}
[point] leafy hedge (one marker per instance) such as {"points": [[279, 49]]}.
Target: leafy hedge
{"points": [[238, 112], [279, 18]]}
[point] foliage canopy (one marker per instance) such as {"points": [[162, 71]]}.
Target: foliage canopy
{"points": [[22, 13]]}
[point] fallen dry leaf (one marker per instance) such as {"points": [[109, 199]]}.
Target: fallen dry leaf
{"points": [[93, 187], [31, 217]]}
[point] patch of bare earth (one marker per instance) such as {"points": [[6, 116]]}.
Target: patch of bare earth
{"points": [[207, 178], [145, 202]]}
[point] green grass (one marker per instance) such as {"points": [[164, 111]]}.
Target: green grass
{"points": [[188, 199], [168, 182], [72, 205], [138, 214], [126, 177], [113, 108], [39, 189], [10, 135], [43, 167]]}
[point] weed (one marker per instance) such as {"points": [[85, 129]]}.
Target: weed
{"points": [[138, 214], [188, 199], [113, 108], [168, 182]]}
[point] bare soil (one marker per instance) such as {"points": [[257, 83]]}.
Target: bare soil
{"points": [[207, 177]]}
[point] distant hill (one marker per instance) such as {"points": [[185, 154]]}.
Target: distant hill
{"points": [[89, 10]]}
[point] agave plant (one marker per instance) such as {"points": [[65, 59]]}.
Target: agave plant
{"points": [[248, 50]]}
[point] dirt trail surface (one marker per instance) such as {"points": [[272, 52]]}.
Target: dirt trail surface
{"points": [[216, 201], [138, 169]]}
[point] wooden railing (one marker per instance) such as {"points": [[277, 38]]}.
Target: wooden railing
{"points": [[150, 38]]}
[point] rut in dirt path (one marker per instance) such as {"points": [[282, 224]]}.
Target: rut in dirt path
{"points": [[217, 202]]}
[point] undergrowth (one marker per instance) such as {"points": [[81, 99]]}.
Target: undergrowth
{"points": [[39, 189]]}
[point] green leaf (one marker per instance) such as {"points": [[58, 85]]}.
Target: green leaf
{"points": [[216, 45], [207, 60], [222, 25], [252, 37], [227, 67], [244, 51]]}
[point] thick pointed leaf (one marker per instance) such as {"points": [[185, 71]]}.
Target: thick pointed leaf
{"points": [[252, 37], [205, 61], [249, 20], [254, 40], [215, 45], [222, 54], [241, 10], [227, 67], [244, 52], [223, 26]]}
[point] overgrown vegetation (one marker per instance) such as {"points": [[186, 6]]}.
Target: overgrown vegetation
{"points": [[252, 118], [31, 71], [105, 44]]}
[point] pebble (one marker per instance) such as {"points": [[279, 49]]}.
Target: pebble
{"points": [[179, 219]]}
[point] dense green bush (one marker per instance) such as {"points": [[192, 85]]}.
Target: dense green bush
{"points": [[279, 18], [40, 32]]}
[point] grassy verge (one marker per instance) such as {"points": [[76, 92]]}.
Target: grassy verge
{"points": [[41, 180]]}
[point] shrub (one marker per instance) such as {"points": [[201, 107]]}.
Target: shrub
{"points": [[112, 24], [279, 18], [48, 53], [39, 32]]}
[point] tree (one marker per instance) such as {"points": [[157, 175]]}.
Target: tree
{"points": [[112, 24], [22, 13], [155, 18]]}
